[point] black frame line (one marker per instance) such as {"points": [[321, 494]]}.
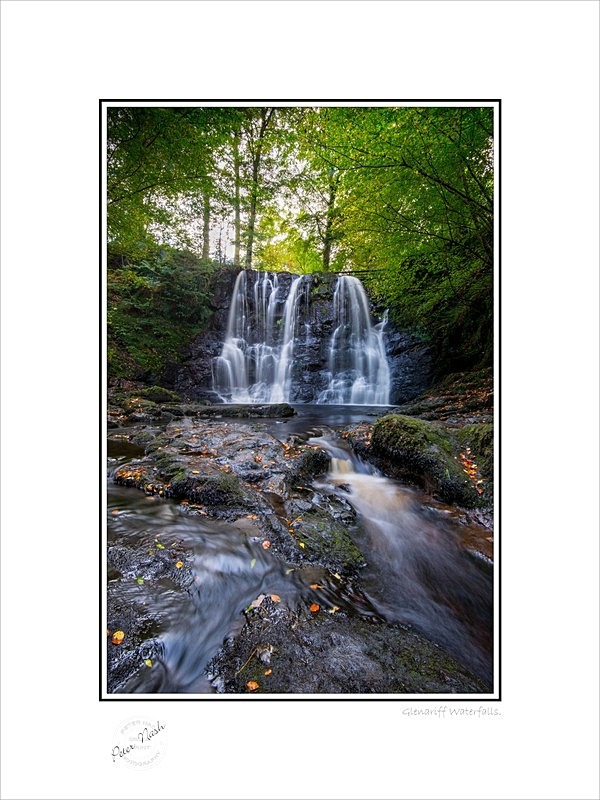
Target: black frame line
{"points": [[497, 412]]}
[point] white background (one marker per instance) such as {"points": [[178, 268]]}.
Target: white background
{"points": [[541, 59]]}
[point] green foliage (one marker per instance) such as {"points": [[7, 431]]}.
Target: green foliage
{"points": [[154, 308], [402, 197]]}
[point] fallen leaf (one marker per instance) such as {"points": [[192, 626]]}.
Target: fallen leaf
{"points": [[140, 581], [314, 608], [258, 601], [291, 569], [251, 516], [266, 545], [116, 511], [118, 637], [160, 546], [316, 586], [252, 686], [333, 609], [179, 564], [252, 563], [268, 671], [301, 544], [148, 662], [195, 472], [275, 598]]}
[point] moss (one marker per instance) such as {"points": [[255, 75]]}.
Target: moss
{"points": [[329, 542], [158, 394], [480, 438], [425, 455], [211, 490], [307, 466]]}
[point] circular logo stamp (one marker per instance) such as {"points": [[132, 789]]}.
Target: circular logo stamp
{"points": [[139, 743]]}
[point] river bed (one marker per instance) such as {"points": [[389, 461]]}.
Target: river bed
{"points": [[182, 582]]}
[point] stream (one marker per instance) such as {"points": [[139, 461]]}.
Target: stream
{"points": [[419, 571]]}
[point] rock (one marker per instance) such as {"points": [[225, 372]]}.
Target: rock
{"points": [[410, 360], [424, 454], [339, 653]]}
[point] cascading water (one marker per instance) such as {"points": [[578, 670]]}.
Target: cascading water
{"points": [[358, 371], [418, 571], [255, 363], [270, 335]]}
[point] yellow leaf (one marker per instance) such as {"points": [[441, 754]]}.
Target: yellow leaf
{"points": [[148, 662], [179, 564], [333, 609], [118, 637], [195, 472], [301, 544]]}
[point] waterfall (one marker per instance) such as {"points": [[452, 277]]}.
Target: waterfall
{"points": [[358, 371], [272, 343], [255, 364]]}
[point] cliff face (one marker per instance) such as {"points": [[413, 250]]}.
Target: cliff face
{"points": [[410, 362]]}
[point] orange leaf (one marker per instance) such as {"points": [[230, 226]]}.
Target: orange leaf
{"points": [[268, 671], [275, 598], [252, 686], [116, 511], [118, 637], [314, 608], [316, 586], [266, 545]]}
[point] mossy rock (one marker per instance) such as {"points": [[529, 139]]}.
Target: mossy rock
{"points": [[328, 542], [423, 454], [480, 438], [312, 462], [210, 490], [158, 395]]}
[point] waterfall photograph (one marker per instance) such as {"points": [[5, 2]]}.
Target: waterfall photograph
{"points": [[300, 369]]}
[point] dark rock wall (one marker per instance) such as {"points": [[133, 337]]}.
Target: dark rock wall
{"points": [[410, 361]]}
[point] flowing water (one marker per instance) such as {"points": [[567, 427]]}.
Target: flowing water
{"points": [[418, 571], [269, 328], [358, 372], [256, 360]]}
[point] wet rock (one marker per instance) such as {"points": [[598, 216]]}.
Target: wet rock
{"points": [[335, 653], [423, 454]]}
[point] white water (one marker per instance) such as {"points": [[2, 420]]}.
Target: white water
{"points": [[265, 336], [358, 372], [255, 364]]}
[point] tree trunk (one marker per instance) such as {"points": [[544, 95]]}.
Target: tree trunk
{"points": [[329, 237], [236, 202], [206, 229], [256, 149]]}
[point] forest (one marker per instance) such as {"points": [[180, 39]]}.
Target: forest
{"points": [[300, 400], [402, 197]]}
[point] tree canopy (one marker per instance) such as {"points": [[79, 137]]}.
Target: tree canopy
{"points": [[403, 197]]}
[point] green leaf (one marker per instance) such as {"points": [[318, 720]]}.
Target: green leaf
{"points": [[252, 563]]}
